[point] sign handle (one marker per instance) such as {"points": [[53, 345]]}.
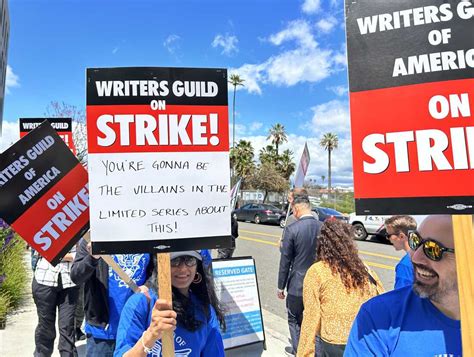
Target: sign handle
{"points": [[464, 246], [164, 292], [113, 264]]}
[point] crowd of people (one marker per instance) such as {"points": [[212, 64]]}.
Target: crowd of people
{"points": [[336, 305]]}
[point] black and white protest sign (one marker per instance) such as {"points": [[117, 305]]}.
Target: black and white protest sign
{"points": [[158, 159], [44, 193], [411, 82]]}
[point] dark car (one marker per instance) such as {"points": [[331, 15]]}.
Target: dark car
{"points": [[325, 213], [260, 213]]}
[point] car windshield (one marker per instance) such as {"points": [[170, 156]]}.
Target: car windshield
{"points": [[330, 211], [273, 208]]}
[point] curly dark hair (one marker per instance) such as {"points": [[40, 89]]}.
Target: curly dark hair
{"points": [[205, 293], [336, 248]]}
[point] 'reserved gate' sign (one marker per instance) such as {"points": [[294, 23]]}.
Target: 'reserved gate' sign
{"points": [[44, 193], [158, 159], [411, 78]]}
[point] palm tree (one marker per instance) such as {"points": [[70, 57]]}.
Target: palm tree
{"points": [[277, 135], [236, 81], [329, 142], [241, 157], [286, 164], [268, 155]]}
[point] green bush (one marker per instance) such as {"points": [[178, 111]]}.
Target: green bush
{"points": [[13, 274], [4, 308]]}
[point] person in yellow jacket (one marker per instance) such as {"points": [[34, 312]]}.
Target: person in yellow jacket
{"points": [[334, 288]]}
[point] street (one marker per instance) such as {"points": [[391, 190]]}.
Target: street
{"points": [[261, 242]]}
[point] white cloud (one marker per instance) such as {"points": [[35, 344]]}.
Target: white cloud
{"points": [[227, 42], [172, 43], [242, 130], [311, 6], [252, 74], [332, 117], [254, 126], [298, 30], [12, 80], [307, 62], [339, 90], [10, 135], [300, 65], [327, 24]]}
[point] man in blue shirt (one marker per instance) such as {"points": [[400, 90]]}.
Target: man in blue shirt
{"points": [[418, 320], [397, 228]]}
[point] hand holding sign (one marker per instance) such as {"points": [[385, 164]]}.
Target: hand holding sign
{"points": [[163, 318]]}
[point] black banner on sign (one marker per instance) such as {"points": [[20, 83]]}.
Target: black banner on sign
{"points": [[389, 42], [141, 85], [33, 152], [58, 124], [162, 245], [44, 192]]}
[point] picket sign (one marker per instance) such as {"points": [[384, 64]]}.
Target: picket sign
{"points": [[164, 287], [113, 264], [464, 246]]}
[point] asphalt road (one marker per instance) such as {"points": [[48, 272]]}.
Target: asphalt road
{"points": [[261, 242]]}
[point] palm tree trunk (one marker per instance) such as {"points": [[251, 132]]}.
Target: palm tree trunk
{"points": [[233, 119], [329, 171]]}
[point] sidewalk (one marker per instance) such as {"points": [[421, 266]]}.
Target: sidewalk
{"points": [[18, 337]]}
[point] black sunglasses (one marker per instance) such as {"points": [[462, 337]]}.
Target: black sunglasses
{"points": [[386, 235], [432, 249], [186, 259]]}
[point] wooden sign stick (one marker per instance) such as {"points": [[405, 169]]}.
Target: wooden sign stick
{"points": [[113, 264], [464, 247], [164, 292]]}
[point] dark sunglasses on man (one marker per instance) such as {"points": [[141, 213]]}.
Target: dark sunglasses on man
{"points": [[186, 259], [433, 249]]}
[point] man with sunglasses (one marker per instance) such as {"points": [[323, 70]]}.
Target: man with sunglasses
{"points": [[418, 320], [397, 228]]}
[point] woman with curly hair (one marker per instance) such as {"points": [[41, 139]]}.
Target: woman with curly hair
{"points": [[334, 289], [194, 315]]}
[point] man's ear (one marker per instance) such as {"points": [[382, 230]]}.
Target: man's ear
{"points": [[403, 236]]}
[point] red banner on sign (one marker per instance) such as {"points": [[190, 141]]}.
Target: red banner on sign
{"points": [[52, 221], [138, 128], [402, 151]]}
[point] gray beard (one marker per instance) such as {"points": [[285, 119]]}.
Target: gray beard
{"points": [[434, 292]]}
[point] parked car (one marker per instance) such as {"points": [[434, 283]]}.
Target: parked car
{"points": [[325, 213], [260, 213], [372, 225]]}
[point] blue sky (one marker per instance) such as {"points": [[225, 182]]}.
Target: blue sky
{"points": [[290, 53]]}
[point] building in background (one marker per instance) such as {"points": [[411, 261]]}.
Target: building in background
{"points": [[4, 36]]}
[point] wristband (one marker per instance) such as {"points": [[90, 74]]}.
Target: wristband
{"points": [[146, 349]]}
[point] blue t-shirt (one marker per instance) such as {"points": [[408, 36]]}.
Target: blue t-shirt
{"points": [[135, 266], [136, 317], [404, 273], [400, 323]]}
